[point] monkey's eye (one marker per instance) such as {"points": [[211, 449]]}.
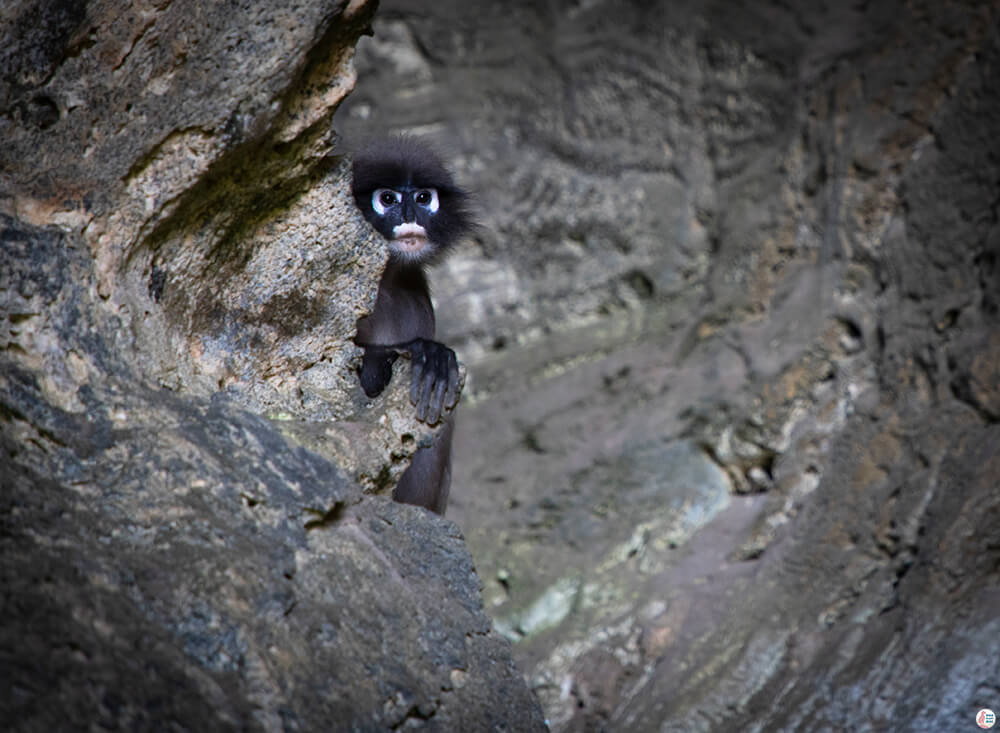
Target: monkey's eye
{"points": [[383, 198], [427, 198]]}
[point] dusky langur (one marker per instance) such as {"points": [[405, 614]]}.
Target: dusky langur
{"points": [[405, 192]]}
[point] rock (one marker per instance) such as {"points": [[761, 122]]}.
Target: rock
{"points": [[764, 233], [195, 529]]}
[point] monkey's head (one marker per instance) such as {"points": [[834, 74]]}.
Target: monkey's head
{"points": [[406, 193]]}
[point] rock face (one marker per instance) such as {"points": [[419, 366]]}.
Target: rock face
{"points": [[194, 528], [732, 455]]}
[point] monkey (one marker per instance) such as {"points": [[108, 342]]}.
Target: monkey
{"points": [[408, 195]]}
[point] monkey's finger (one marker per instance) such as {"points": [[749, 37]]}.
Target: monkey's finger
{"points": [[454, 381], [436, 406], [426, 391], [419, 362], [415, 381], [449, 382], [435, 394]]}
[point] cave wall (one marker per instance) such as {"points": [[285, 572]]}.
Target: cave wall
{"points": [[728, 456], [728, 447], [195, 529]]}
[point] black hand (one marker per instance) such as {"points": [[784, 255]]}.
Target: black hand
{"points": [[436, 381], [376, 369]]}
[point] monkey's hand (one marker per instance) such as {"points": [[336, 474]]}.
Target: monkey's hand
{"points": [[436, 380], [376, 368]]}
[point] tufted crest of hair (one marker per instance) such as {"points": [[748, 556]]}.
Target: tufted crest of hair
{"points": [[405, 161]]}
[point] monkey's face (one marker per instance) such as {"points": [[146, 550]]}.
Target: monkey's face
{"points": [[404, 191], [407, 217]]}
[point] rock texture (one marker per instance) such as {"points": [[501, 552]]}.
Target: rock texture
{"points": [[731, 458], [194, 528]]}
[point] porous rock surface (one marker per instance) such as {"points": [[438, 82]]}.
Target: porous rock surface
{"points": [[194, 526], [729, 453]]}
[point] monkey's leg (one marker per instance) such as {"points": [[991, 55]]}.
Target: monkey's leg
{"points": [[428, 479]]}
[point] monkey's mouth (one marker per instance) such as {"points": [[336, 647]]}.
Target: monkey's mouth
{"points": [[410, 245], [409, 238]]}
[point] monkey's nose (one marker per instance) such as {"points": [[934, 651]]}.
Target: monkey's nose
{"points": [[409, 209]]}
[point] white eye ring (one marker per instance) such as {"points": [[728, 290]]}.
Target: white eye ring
{"points": [[383, 198], [432, 203]]}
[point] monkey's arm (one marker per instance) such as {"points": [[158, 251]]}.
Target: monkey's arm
{"points": [[376, 368], [436, 380]]}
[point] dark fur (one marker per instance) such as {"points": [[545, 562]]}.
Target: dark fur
{"points": [[402, 321]]}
